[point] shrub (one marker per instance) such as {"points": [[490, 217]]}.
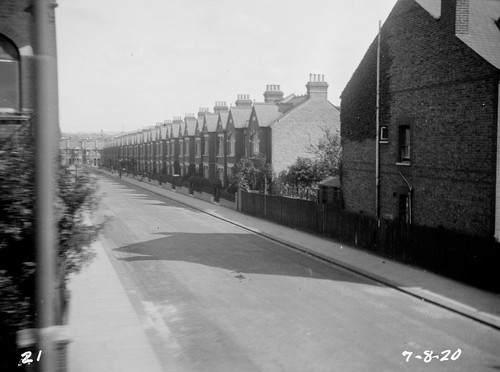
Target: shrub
{"points": [[75, 195]]}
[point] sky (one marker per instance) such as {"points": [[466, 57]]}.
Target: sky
{"points": [[127, 64]]}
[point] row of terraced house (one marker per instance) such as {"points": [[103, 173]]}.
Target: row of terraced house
{"points": [[211, 143], [420, 120]]}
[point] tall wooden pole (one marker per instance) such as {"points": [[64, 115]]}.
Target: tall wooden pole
{"points": [[46, 132], [377, 136]]}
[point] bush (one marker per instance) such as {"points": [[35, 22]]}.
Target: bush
{"points": [[191, 171], [251, 174], [74, 197]]}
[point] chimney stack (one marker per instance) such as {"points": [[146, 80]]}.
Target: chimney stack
{"points": [[273, 94], [189, 116], [317, 87], [243, 100], [220, 106], [202, 111]]}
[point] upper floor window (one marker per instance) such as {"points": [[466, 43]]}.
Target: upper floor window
{"points": [[251, 144], [220, 145], [198, 147], [206, 146], [230, 144], [256, 143], [10, 87], [404, 143]]}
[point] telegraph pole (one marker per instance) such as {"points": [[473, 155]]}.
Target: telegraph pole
{"points": [[46, 133], [377, 136]]}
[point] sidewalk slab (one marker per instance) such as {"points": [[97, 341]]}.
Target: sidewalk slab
{"points": [[106, 334], [477, 304]]}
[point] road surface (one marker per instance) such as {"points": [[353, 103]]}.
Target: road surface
{"points": [[215, 297]]}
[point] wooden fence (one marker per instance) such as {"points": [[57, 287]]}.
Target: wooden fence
{"points": [[471, 259]]}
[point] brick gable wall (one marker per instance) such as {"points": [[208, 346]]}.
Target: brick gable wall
{"points": [[449, 95]]}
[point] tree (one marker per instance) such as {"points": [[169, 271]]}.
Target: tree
{"points": [[304, 172], [327, 152], [251, 174], [75, 195], [325, 162]]}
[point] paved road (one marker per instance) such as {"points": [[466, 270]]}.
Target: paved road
{"points": [[214, 297]]}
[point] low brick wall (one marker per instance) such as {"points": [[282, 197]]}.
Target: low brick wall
{"points": [[207, 197], [227, 203], [182, 190]]}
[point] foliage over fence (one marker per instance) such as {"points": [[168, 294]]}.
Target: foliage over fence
{"points": [[467, 258], [74, 197], [307, 193]]}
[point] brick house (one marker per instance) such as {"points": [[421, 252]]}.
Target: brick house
{"points": [[200, 141], [281, 129], [189, 142], [182, 164], [151, 153], [439, 106], [163, 147], [209, 147], [17, 63], [166, 147], [257, 134], [175, 132], [221, 147], [237, 122], [148, 149], [157, 139]]}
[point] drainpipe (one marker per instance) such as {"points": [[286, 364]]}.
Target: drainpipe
{"points": [[497, 188], [377, 139], [410, 193]]}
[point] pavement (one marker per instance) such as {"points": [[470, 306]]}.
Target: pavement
{"points": [[105, 342]]}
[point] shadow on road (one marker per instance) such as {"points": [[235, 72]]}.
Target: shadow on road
{"points": [[242, 253]]}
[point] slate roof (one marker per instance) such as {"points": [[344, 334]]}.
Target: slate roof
{"points": [[475, 27], [267, 113], [77, 145], [211, 122], [164, 131], [287, 104], [174, 133], [483, 34], [190, 127], [240, 116], [223, 119], [432, 6]]}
